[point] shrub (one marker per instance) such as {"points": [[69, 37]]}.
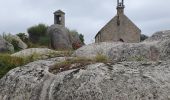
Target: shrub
{"points": [[23, 37], [81, 36], [77, 39], [38, 34], [38, 30], [143, 37], [15, 44], [10, 38], [76, 45], [44, 40]]}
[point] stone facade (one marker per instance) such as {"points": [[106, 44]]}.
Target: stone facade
{"points": [[120, 28], [59, 18]]}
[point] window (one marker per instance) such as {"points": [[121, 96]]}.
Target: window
{"points": [[58, 19]]}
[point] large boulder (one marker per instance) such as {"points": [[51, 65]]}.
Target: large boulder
{"points": [[119, 81], [5, 46], [59, 37], [91, 50], [155, 48], [159, 36], [33, 51], [20, 43]]}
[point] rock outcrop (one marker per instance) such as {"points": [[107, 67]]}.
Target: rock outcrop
{"points": [[5, 46], [33, 51], [137, 71], [154, 48], [59, 37], [119, 81], [20, 43]]}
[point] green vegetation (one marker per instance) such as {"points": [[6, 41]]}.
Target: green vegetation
{"points": [[77, 62], [66, 65], [38, 35], [74, 32], [101, 58], [143, 37], [137, 58], [7, 63], [38, 30], [81, 36], [23, 37], [11, 39]]}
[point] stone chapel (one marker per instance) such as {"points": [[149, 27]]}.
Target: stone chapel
{"points": [[120, 28]]}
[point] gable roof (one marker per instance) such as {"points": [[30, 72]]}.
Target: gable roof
{"points": [[124, 19], [59, 12]]}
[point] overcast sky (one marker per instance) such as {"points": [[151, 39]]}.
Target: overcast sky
{"points": [[86, 16]]}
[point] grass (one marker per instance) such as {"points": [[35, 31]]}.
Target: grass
{"points": [[7, 63], [70, 63], [137, 58], [77, 62], [101, 58]]}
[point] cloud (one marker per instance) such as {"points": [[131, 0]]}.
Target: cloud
{"points": [[87, 16]]}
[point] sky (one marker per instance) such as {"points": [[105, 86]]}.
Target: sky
{"points": [[85, 16]]}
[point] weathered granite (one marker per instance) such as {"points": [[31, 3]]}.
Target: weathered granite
{"points": [[32, 51], [119, 81], [20, 43], [5, 46], [59, 37], [154, 48]]}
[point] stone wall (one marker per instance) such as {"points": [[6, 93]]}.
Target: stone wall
{"points": [[126, 31]]}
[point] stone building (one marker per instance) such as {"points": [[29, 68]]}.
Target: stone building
{"points": [[60, 36], [59, 18], [120, 28]]}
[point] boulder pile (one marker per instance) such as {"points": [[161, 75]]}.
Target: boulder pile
{"points": [[155, 48], [137, 71]]}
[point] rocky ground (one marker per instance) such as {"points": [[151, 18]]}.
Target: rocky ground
{"points": [[155, 48], [138, 71]]}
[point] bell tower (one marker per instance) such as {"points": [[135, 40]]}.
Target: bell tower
{"points": [[120, 7], [120, 10], [59, 18]]}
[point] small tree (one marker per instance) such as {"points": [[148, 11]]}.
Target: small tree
{"points": [[77, 39], [143, 37], [81, 36], [38, 34]]}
